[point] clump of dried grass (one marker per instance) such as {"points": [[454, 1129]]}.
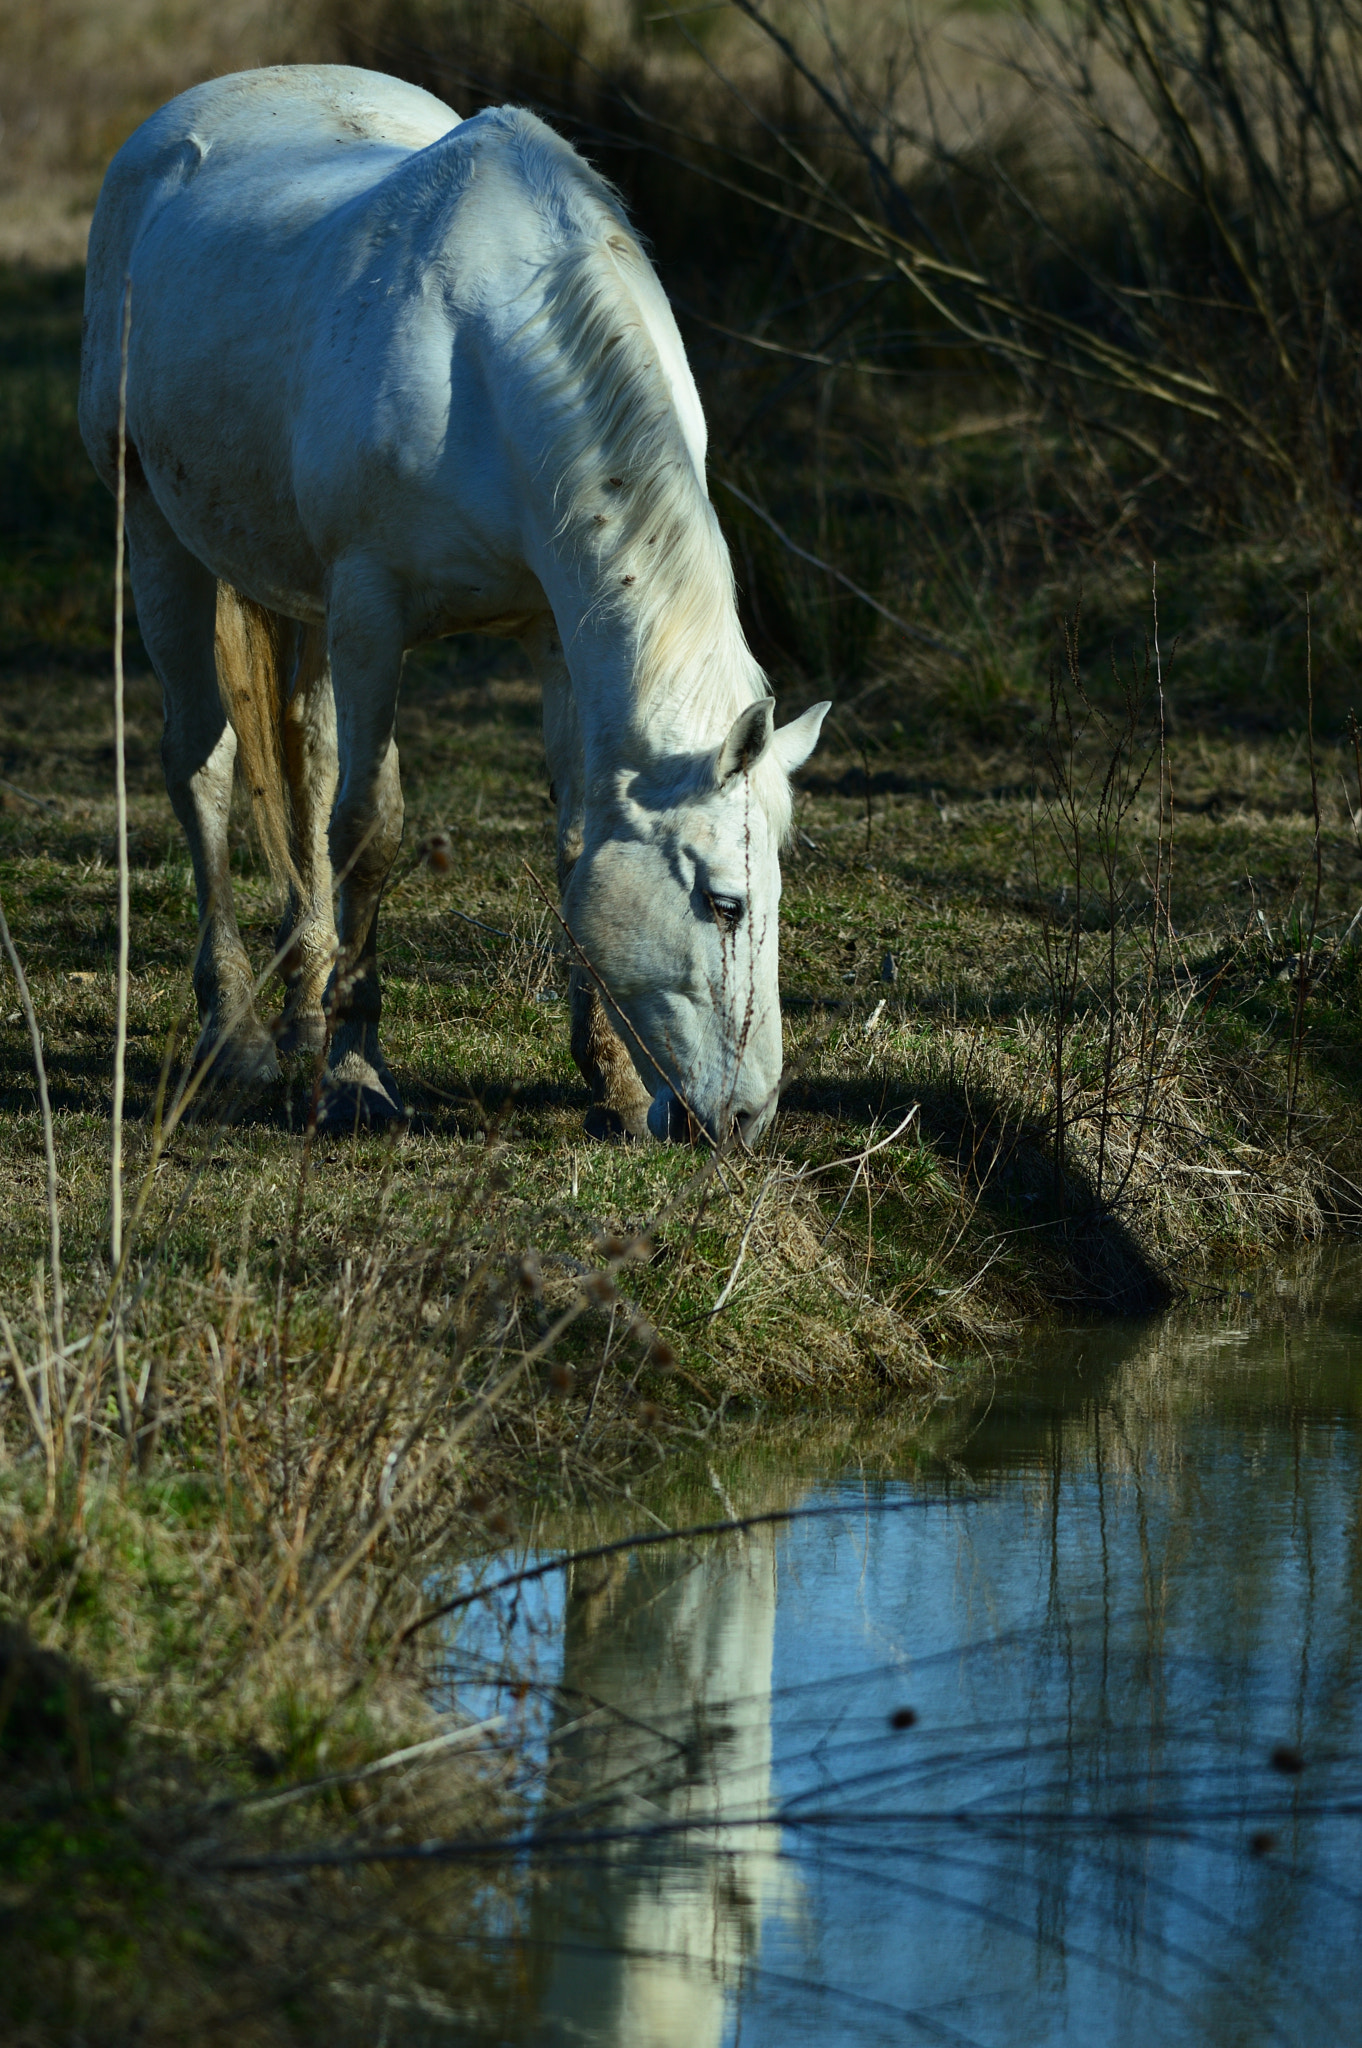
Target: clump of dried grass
{"points": [[1197, 1170]]}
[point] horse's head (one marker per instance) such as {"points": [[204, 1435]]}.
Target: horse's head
{"points": [[674, 904]]}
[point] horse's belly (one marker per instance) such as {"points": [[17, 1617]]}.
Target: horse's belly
{"points": [[246, 532], [208, 416]]}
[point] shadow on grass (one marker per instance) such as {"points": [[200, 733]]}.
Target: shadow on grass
{"points": [[1003, 1164], [472, 1105]]}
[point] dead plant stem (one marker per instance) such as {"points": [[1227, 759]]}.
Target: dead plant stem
{"points": [[1306, 949], [125, 1415], [50, 1155]]}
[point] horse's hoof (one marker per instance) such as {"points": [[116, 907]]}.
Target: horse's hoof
{"points": [[359, 1096], [608, 1127], [242, 1062], [301, 1031], [343, 1111]]}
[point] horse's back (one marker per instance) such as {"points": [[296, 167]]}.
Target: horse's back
{"points": [[302, 133], [354, 327], [265, 154]]}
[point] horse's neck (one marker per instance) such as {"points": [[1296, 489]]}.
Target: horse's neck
{"points": [[651, 638], [629, 718], [611, 441]]}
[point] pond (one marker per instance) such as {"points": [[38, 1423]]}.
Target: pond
{"points": [[1051, 1733]]}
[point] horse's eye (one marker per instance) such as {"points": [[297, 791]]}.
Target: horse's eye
{"points": [[727, 911]]}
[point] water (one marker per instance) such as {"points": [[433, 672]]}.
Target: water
{"points": [[1053, 1735]]}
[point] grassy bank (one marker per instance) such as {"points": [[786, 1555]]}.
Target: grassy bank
{"points": [[354, 1363], [1072, 1010]]}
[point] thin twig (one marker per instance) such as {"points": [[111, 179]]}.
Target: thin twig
{"points": [[1305, 957], [867, 1151], [418, 1752], [495, 930], [121, 813], [50, 1152], [816, 561], [728, 1285], [41, 803], [647, 1539], [42, 1424]]}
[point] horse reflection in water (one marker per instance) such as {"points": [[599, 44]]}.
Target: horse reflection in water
{"points": [[665, 1728]]}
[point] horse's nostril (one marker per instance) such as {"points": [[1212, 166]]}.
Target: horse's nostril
{"points": [[750, 1123], [671, 1121]]}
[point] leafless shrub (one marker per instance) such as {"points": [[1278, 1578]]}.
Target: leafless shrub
{"points": [[1093, 771]]}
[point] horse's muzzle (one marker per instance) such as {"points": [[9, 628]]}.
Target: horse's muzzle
{"points": [[671, 1121]]}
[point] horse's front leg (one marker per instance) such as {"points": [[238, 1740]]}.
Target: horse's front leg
{"points": [[366, 646], [619, 1100]]}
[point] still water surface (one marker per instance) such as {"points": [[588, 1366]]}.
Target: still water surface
{"points": [[1116, 1615]]}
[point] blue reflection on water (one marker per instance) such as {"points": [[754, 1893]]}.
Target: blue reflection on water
{"points": [[1121, 1616], [1148, 1586]]}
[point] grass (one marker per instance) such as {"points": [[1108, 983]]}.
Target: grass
{"points": [[363, 1365], [918, 846]]}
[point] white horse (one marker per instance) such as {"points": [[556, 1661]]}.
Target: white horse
{"points": [[392, 376]]}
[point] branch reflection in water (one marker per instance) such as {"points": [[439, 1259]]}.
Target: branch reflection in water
{"points": [[1069, 1751]]}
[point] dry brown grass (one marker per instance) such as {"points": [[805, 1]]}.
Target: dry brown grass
{"points": [[76, 77], [358, 1368]]}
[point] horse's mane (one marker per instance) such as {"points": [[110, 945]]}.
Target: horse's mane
{"points": [[629, 499]]}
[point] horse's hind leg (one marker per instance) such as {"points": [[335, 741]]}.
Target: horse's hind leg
{"points": [[306, 938], [365, 645], [176, 614]]}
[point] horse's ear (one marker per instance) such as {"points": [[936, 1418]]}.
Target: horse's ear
{"points": [[748, 738], [796, 741]]}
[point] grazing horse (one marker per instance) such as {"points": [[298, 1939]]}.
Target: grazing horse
{"points": [[390, 376]]}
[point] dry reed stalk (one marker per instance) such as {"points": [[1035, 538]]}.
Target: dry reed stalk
{"points": [[1163, 873], [50, 1154], [1306, 947], [1062, 947], [125, 1414], [41, 1424]]}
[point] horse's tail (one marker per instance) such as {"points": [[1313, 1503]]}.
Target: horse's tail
{"points": [[253, 647]]}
